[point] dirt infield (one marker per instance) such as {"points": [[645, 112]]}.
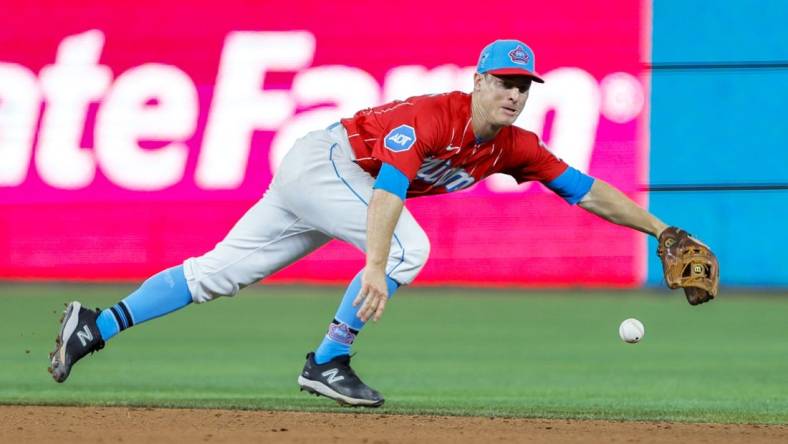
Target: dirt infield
{"points": [[23, 424]]}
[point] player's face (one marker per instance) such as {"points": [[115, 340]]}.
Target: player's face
{"points": [[502, 97]]}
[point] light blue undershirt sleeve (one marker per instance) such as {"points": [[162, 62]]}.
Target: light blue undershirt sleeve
{"points": [[571, 185], [392, 180]]}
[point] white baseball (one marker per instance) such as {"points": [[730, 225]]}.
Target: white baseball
{"points": [[631, 331]]}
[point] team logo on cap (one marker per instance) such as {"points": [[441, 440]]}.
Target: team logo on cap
{"points": [[519, 55]]}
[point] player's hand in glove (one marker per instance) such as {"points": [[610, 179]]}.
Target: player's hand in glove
{"points": [[690, 264]]}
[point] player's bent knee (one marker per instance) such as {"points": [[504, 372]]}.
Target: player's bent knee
{"points": [[418, 249], [419, 255], [415, 257]]}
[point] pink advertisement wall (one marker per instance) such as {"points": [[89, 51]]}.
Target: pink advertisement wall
{"points": [[134, 134]]}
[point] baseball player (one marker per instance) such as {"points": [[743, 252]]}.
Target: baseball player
{"points": [[350, 182]]}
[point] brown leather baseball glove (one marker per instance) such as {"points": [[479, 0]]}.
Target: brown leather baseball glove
{"points": [[690, 264]]}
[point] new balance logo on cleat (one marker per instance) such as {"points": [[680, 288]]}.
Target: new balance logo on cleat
{"points": [[336, 380], [331, 375], [84, 336], [78, 336]]}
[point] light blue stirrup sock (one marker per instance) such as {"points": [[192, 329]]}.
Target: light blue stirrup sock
{"points": [[162, 293], [346, 325]]}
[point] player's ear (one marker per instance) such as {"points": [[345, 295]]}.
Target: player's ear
{"points": [[477, 81]]}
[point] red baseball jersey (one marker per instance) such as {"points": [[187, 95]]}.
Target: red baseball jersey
{"points": [[430, 140]]}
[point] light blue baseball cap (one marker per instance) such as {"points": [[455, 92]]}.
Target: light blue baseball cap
{"points": [[508, 58]]}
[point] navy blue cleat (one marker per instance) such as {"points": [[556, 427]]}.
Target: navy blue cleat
{"points": [[79, 335], [336, 380]]}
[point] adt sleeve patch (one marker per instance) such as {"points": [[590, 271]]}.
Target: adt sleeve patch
{"points": [[400, 138]]}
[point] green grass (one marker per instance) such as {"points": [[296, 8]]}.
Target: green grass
{"points": [[459, 352]]}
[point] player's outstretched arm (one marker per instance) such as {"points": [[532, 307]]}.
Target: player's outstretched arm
{"points": [[607, 202], [382, 216], [686, 262]]}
